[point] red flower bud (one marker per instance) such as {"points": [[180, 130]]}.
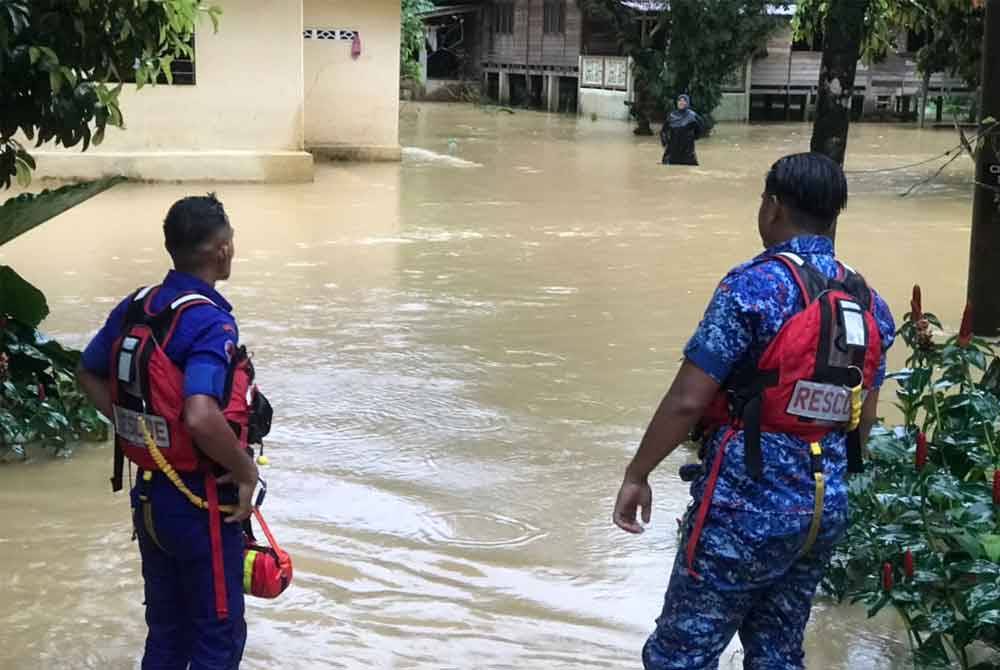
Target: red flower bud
{"points": [[916, 306], [908, 565], [965, 332], [887, 579], [3, 322], [996, 487], [41, 392], [921, 460]]}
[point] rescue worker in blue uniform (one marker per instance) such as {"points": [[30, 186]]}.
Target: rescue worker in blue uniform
{"points": [[749, 571], [185, 630]]}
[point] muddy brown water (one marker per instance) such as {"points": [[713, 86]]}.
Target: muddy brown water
{"points": [[463, 351]]}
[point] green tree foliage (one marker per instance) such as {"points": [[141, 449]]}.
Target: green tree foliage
{"points": [[412, 37], [954, 31], [688, 46], [61, 67], [925, 531], [60, 61]]}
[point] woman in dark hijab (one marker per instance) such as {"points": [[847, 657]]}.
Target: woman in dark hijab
{"points": [[679, 133]]}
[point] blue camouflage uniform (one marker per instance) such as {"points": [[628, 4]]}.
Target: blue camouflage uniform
{"points": [[184, 628], [750, 578]]}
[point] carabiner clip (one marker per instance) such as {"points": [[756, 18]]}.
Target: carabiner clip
{"points": [[262, 493]]}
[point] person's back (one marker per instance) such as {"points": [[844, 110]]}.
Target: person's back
{"points": [[167, 364], [766, 510]]}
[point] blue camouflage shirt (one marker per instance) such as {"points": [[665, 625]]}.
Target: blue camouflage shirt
{"points": [[202, 346], [748, 309]]}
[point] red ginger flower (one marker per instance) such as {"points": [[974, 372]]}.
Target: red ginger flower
{"points": [[921, 460], [908, 564], [887, 578], [996, 487], [965, 332], [916, 306]]}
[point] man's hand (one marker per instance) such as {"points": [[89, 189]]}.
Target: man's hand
{"points": [[246, 486], [633, 495], [686, 401]]}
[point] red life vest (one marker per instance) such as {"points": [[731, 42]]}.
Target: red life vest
{"points": [[803, 383], [147, 384]]}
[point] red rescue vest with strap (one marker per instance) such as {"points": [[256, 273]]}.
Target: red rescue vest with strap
{"points": [[811, 378], [809, 382], [146, 384]]}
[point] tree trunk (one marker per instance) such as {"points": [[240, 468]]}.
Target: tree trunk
{"points": [[643, 111], [984, 271], [845, 26], [924, 99]]}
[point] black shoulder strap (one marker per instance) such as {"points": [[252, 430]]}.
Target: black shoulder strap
{"points": [[136, 312], [163, 322], [811, 281], [855, 285]]}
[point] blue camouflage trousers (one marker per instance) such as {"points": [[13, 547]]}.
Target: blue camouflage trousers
{"points": [[749, 579], [185, 633]]}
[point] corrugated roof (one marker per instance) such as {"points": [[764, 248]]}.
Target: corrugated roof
{"points": [[660, 5]]}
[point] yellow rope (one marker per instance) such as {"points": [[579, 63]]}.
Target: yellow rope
{"points": [[171, 474], [856, 405], [817, 519]]}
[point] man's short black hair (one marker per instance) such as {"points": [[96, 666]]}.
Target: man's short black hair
{"points": [[813, 186], [190, 223]]}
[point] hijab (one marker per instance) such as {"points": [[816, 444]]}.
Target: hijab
{"points": [[682, 117]]}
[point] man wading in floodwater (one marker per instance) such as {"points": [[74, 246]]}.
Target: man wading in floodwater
{"points": [[782, 378], [169, 358]]}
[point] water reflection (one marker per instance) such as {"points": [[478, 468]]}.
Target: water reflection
{"points": [[463, 351]]}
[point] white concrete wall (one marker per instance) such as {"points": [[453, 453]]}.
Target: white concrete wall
{"points": [[733, 107], [605, 104], [352, 105], [243, 120]]}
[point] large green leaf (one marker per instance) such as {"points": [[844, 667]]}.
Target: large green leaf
{"points": [[26, 211], [991, 546], [20, 300]]}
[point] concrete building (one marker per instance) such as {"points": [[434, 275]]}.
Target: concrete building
{"points": [[282, 81]]}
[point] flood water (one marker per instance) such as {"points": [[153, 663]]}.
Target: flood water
{"points": [[463, 352]]}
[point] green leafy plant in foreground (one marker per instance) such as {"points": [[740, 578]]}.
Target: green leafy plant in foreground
{"points": [[40, 402], [925, 532]]}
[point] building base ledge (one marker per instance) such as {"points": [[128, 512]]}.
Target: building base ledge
{"points": [[179, 166], [364, 153]]}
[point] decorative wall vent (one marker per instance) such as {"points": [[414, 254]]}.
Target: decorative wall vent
{"points": [[329, 34]]}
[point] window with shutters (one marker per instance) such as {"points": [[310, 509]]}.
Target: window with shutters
{"points": [[503, 18], [555, 17]]}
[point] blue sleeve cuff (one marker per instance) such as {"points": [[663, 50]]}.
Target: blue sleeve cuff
{"points": [[203, 378], [96, 357], [708, 362]]}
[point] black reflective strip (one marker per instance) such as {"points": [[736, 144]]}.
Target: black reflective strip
{"points": [[142, 369], [753, 455], [855, 456], [821, 373], [118, 472], [816, 461]]}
